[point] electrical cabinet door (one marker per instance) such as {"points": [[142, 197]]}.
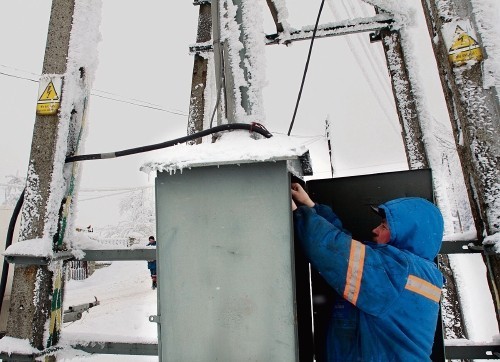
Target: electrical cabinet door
{"points": [[350, 198]]}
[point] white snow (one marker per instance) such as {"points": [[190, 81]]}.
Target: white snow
{"points": [[126, 301], [33, 247], [233, 147], [15, 345]]}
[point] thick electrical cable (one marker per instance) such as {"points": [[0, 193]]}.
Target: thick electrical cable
{"points": [[219, 87], [253, 127], [306, 67], [8, 242]]}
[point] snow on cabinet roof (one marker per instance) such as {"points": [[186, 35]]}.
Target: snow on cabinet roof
{"points": [[233, 148]]}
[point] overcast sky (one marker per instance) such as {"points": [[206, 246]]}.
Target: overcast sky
{"points": [[144, 59]]}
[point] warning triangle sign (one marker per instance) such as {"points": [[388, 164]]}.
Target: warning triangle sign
{"points": [[462, 40], [49, 94]]}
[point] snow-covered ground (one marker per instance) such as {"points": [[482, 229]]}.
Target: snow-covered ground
{"points": [[126, 302]]}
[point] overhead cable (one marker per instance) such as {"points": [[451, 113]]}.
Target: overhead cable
{"points": [[306, 67]]}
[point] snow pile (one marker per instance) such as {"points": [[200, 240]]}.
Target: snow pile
{"points": [[33, 247], [234, 147], [11, 345]]}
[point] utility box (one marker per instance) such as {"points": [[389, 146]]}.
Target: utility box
{"points": [[226, 263]]}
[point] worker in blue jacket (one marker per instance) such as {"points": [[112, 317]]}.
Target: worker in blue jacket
{"points": [[388, 290]]}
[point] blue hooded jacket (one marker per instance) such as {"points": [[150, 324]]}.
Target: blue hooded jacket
{"points": [[388, 294]]}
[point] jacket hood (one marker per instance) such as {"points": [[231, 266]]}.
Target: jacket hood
{"points": [[415, 224]]}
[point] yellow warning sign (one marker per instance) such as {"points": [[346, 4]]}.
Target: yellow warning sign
{"points": [[464, 48], [48, 99], [49, 94]]}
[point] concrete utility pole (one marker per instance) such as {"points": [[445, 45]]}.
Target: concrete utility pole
{"points": [[36, 300], [233, 61], [413, 141], [404, 97], [474, 112], [200, 70]]}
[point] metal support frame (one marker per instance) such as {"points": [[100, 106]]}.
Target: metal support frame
{"points": [[454, 352], [133, 349], [448, 247], [90, 255], [345, 27]]}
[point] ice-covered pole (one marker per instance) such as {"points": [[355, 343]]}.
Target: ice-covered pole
{"points": [[239, 51], [465, 44], [68, 70]]}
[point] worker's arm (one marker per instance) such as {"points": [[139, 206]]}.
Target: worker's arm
{"points": [[364, 276], [303, 198]]}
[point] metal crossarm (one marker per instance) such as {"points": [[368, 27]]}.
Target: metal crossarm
{"points": [[465, 247], [346, 27], [468, 351], [90, 255]]}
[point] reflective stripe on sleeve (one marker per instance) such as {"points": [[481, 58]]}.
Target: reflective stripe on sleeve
{"points": [[354, 271], [424, 288]]}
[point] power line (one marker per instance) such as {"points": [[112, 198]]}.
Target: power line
{"points": [[359, 59], [93, 93], [104, 196], [140, 105], [18, 77]]}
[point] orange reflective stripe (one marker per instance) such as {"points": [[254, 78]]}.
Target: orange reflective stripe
{"points": [[354, 271], [424, 288]]}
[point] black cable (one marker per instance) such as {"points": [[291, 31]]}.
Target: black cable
{"points": [[219, 88], [306, 67], [253, 127], [8, 242]]}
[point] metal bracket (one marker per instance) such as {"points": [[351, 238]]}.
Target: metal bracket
{"points": [[375, 36], [38, 260], [154, 319], [466, 247]]}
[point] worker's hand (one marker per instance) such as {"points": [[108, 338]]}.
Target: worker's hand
{"points": [[294, 206], [300, 195]]}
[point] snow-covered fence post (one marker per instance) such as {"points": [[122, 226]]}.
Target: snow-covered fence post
{"points": [[465, 44], [68, 69]]}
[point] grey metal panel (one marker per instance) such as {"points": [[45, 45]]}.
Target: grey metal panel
{"points": [[225, 264], [472, 352], [119, 254], [90, 255], [137, 349]]}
